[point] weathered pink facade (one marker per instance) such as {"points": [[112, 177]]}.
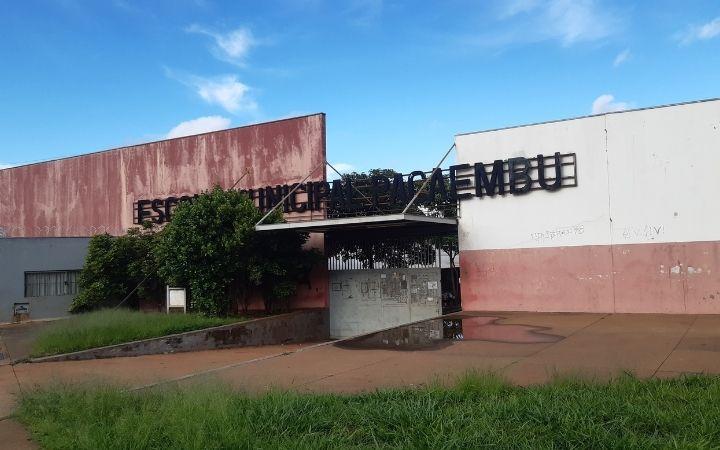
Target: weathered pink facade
{"points": [[671, 278], [94, 193]]}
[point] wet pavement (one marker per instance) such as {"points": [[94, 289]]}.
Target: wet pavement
{"points": [[439, 333], [524, 348]]}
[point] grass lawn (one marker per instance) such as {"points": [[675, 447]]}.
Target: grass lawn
{"points": [[108, 327], [478, 411]]}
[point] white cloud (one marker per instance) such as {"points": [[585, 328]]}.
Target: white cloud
{"points": [[606, 103], [578, 20], [514, 7], [365, 13], [225, 91], [199, 125], [343, 167], [6, 166], [566, 21], [700, 32], [622, 57], [232, 46]]}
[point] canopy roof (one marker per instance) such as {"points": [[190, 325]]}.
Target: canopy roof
{"points": [[389, 222]]}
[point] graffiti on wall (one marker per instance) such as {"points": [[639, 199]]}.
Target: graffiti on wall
{"points": [[368, 300]]}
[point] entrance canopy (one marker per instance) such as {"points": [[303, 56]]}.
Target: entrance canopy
{"points": [[338, 198], [387, 222]]}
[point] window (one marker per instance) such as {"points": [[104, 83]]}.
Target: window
{"points": [[51, 284]]}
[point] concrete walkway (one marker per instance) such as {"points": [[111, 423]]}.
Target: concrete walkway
{"points": [[15, 344], [526, 348], [16, 339]]}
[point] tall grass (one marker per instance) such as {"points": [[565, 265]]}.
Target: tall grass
{"points": [[115, 326], [480, 411]]}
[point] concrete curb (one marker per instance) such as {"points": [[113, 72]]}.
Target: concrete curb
{"points": [[293, 327]]}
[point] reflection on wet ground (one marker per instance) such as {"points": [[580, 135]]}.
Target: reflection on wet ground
{"points": [[439, 333]]}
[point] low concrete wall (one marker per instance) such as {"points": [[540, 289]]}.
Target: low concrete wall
{"points": [[294, 327]]}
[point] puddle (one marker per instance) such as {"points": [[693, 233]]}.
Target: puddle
{"points": [[439, 333]]}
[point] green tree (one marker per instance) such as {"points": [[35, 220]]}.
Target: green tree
{"points": [[362, 194], [390, 202], [116, 269], [280, 264], [211, 247]]}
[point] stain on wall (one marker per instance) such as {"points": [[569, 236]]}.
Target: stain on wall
{"points": [[94, 193], [362, 301], [638, 234]]}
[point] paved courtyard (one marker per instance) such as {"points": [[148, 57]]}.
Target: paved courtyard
{"points": [[525, 348]]}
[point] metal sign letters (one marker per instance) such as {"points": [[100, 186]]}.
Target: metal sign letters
{"points": [[514, 176]]}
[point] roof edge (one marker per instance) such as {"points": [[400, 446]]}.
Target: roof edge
{"points": [[589, 116], [162, 140]]}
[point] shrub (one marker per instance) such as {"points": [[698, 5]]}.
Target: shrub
{"points": [[211, 247], [114, 266]]}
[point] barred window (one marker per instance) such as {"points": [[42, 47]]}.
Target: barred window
{"points": [[51, 283]]}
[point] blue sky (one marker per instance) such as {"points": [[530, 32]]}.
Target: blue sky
{"points": [[397, 79]]}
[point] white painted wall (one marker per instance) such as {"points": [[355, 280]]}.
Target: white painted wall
{"points": [[571, 216], [655, 172], [665, 174], [363, 301]]}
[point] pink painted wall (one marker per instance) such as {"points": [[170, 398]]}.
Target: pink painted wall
{"points": [[678, 278], [573, 279], [94, 193]]}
